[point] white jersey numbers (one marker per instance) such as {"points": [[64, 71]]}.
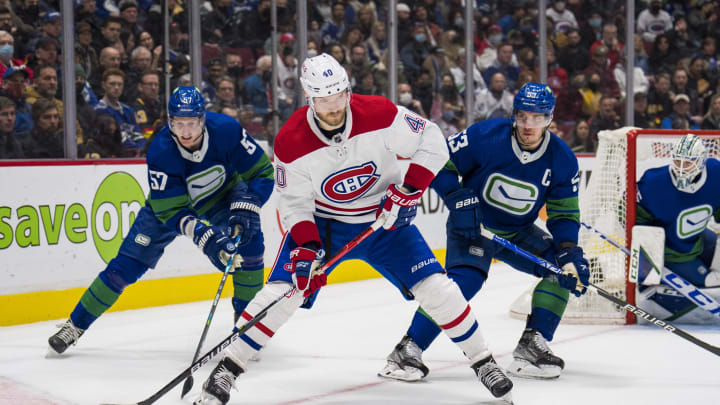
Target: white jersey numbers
{"points": [[245, 142], [458, 141], [158, 180]]}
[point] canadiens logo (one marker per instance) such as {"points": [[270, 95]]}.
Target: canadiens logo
{"points": [[351, 183]]}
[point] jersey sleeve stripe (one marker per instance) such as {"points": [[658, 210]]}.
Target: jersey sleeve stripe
{"points": [[304, 232], [418, 176]]}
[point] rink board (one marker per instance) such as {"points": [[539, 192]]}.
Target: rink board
{"points": [[61, 221]]}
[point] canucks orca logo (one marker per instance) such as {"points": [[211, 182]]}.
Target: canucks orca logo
{"points": [[510, 195], [351, 183], [693, 220]]}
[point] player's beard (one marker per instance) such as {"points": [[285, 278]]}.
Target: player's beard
{"points": [[529, 138], [332, 119]]}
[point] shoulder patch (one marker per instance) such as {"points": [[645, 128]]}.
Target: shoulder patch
{"points": [[416, 124]]}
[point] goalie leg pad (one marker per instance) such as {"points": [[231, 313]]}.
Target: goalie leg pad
{"points": [[647, 254], [258, 336], [442, 299]]}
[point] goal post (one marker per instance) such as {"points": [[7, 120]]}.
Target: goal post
{"points": [[608, 204]]}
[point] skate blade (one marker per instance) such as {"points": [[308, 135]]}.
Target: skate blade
{"points": [[393, 372], [525, 369], [52, 354]]}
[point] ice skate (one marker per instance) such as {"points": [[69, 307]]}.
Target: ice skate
{"points": [[216, 390], [405, 362], [534, 359], [66, 336], [492, 377]]}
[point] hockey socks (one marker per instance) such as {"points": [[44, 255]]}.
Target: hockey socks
{"points": [[423, 329], [258, 336], [442, 299], [548, 305], [97, 299], [247, 281]]}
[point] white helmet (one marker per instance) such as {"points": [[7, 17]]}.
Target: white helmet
{"points": [[323, 76], [688, 162]]}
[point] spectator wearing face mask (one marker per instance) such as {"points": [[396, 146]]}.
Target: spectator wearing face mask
{"points": [[414, 53], [14, 81], [592, 31], [487, 50], [7, 50], [405, 98], [257, 90]]}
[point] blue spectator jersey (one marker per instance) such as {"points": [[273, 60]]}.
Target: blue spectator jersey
{"points": [[190, 183], [125, 118], [513, 184], [684, 216]]}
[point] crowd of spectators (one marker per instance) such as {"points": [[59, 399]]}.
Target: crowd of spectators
{"points": [[119, 65]]}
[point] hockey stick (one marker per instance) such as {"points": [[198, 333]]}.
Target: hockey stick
{"points": [[672, 279], [197, 364], [621, 303], [187, 386]]}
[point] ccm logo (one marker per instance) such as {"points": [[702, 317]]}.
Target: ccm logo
{"points": [[466, 202], [396, 199]]}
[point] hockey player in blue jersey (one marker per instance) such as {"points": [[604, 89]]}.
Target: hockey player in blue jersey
{"points": [[208, 180], [336, 172], [510, 168], [682, 198]]}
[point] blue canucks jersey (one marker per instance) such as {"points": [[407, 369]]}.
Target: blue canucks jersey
{"points": [[684, 216], [190, 183], [513, 184]]}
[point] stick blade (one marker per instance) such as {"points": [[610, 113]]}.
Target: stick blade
{"points": [[187, 386]]}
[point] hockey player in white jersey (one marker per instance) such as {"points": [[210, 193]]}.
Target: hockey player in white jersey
{"points": [[337, 171]]}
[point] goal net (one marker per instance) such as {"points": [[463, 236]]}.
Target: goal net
{"points": [[608, 205]]}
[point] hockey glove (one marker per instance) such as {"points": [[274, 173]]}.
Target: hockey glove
{"points": [[399, 207], [245, 218], [465, 216], [213, 241], [575, 267], [305, 264]]}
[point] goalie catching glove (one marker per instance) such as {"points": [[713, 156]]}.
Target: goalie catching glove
{"points": [[398, 206], [213, 240], [244, 217], [306, 273], [575, 267]]}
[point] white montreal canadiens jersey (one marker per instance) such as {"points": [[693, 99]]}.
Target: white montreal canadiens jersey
{"points": [[344, 178]]}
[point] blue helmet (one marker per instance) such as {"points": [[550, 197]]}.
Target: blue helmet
{"points": [[186, 101], [534, 97]]}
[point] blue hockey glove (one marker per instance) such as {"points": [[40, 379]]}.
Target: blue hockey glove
{"points": [[576, 267], [399, 207], [244, 217], [305, 264], [213, 240], [465, 216]]}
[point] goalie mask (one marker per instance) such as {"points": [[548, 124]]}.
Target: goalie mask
{"points": [[326, 85], [688, 163]]}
